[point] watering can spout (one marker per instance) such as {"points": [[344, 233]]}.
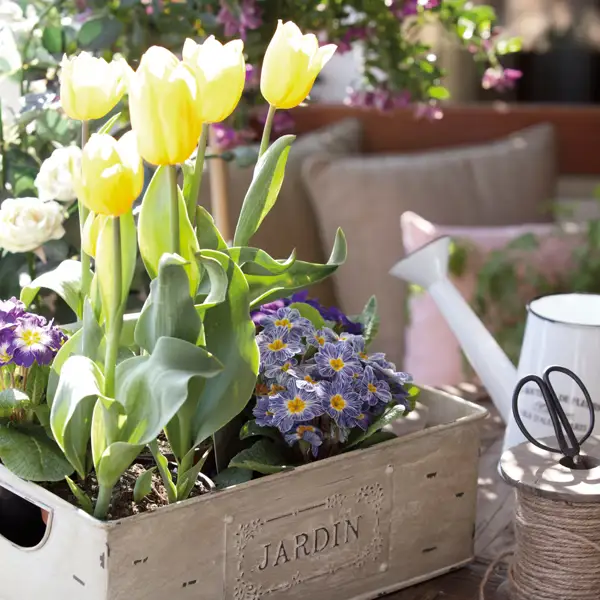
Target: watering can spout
{"points": [[428, 268]]}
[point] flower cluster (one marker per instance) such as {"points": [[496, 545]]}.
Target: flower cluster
{"points": [[26, 338], [317, 385], [339, 321]]}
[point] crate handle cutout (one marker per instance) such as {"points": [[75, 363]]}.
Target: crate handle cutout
{"points": [[22, 522]]}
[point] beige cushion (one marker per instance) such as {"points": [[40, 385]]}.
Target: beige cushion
{"points": [[501, 183], [292, 223]]}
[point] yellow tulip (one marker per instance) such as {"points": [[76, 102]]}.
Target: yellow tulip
{"points": [[220, 72], [90, 87], [112, 174], [291, 65], [163, 106]]}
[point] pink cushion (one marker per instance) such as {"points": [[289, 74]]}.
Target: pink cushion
{"points": [[433, 354]]}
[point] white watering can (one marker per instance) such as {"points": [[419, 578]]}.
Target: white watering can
{"points": [[563, 329]]}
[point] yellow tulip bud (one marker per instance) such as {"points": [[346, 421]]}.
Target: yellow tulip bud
{"points": [[291, 65], [163, 106], [220, 72], [90, 87], [112, 174]]}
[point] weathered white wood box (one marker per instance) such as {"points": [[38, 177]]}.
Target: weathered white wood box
{"points": [[352, 527]]}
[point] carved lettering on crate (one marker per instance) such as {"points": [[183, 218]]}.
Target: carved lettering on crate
{"points": [[272, 553]]}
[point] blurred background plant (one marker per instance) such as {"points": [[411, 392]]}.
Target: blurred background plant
{"points": [[397, 69]]}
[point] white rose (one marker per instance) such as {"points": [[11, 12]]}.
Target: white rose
{"points": [[27, 223], [55, 179]]}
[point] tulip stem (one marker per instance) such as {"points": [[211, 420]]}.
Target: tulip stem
{"points": [[174, 209], [266, 136], [86, 279], [116, 317], [194, 190]]}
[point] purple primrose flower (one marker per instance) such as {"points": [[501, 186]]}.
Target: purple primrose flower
{"points": [[264, 417], [373, 390], [294, 405], [33, 340], [238, 22], [289, 318], [338, 361], [277, 345], [340, 402], [307, 433]]}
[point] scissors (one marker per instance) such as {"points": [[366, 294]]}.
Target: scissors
{"points": [[562, 427]]}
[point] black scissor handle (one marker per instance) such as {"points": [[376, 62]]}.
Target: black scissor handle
{"points": [[557, 414]]}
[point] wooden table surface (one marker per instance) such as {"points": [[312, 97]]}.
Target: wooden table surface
{"points": [[494, 531]]}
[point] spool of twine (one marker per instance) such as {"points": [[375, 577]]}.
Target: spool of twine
{"points": [[557, 529]]}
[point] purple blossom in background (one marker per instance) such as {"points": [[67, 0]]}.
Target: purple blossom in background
{"points": [[352, 34], [429, 110], [409, 8], [283, 122], [249, 18], [227, 138], [381, 99], [500, 79]]}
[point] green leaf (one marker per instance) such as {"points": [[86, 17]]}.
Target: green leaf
{"points": [[65, 280], [230, 335], [143, 485], [37, 381], [377, 438], [509, 46], [187, 480], [252, 428], [370, 320], [12, 399], [106, 259], [30, 454], [99, 33], [169, 310], [165, 473], [391, 414], [263, 457], [206, 230], [266, 288], [232, 476], [309, 312], [84, 500], [106, 128], [260, 260], [527, 241], [264, 189], [154, 225], [438, 92], [80, 383], [52, 39]]}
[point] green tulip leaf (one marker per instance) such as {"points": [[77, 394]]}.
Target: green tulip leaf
{"points": [[214, 287], [107, 127], [65, 280], [208, 235], [259, 259], [30, 454], [169, 310], [370, 320], [231, 336], [266, 288], [80, 383], [253, 429], [264, 189], [85, 502], [154, 226], [263, 456], [187, 480], [143, 485]]}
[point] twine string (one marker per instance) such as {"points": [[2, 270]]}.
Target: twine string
{"points": [[557, 551]]}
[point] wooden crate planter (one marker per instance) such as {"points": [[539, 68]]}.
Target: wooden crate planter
{"points": [[351, 527]]}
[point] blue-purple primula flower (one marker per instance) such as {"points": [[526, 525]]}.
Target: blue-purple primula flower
{"points": [[277, 345], [6, 339], [289, 318], [264, 417], [338, 361], [294, 405], [340, 402], [372, 390], [318, 338], [10, 311], [34, 340], [282, 373], [307, 433]]}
